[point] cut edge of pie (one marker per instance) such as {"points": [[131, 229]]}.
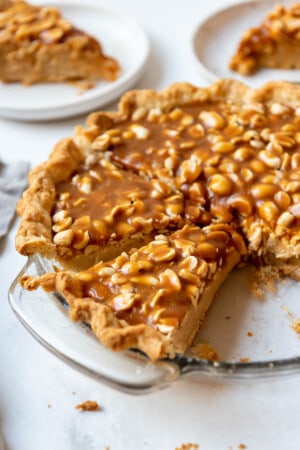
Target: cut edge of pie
{"points": [[37, 45], [274, 44]]}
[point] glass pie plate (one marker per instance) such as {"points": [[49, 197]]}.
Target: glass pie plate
{"points": [[254, 338]]}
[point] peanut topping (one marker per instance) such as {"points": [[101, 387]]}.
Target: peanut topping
{"points": [[219, 162], [158, 283], [106, 203]]}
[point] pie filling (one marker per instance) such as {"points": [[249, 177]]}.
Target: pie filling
{"points": [[275, 44], [170, 193], [38, 45]]}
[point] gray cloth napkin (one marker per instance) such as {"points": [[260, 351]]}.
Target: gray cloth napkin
{"points": [[13, 180]]}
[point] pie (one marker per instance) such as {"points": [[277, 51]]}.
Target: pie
{"points": [[38, 45], [148, 209], [274, 44]]}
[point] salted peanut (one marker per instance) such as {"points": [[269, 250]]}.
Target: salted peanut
{"points": [[186, 145], [223, 147], [229, 166], [278, 109], [250, 134], [282, 199], [206, 250], [220, 184], [295, 161], [163, 254], [60, 215], [270, 159], [63, 237], [187, 120], [196, 131], [282, 139], [285, 161], [258, 120], [154, 114], [62, 225], [247, 174], [176, 114], [243, 154], [139, 114], [124, 229], [212, 119], [102, 142], [140, 132], [293, 186], [256, 144], [265, 134], [124, 301], [269, 212], [286, 219], [241, 203], [189, 170], [81, 239], [263, 190]]}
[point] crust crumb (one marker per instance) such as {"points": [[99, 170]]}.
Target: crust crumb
{"points": [[296, 325], [188, 446], [242, 446], [88, 405], [244, 360], [262, 280], [250, 334], [205, 351]]}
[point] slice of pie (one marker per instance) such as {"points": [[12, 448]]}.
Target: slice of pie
{"points": [[176, 164], [38, 45], [274, 44], [152, 299]]}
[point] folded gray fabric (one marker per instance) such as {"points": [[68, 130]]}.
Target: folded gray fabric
{"points": [[13, 180]]}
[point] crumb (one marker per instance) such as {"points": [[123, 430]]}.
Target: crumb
{"points": [[250, 333], [244, 360], [49, 406], [242, 446], [188, 446], [296, 325], [270, 351], [82, 85], [205, 351], [287, 311], [73, 393], [263, 279], [227, 317], [88, 405]]}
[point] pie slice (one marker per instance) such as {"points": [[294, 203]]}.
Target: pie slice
{"points": [[152, 299], [274, 44], [38, 45]]}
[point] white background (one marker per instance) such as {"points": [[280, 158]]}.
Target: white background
{"points": [[260, 415]]}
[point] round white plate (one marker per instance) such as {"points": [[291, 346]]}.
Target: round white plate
{"points": [[121, 38], [216, 39]]}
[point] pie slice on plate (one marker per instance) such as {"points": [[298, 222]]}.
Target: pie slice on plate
{"points": [[38, 45], [274, 44]]}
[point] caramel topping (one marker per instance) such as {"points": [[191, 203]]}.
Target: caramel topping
{"points": [[235, 161], [158, 283], [102, 203]]}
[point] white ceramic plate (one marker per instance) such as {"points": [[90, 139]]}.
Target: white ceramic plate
{"points": [[216, 38], [121, 37]]}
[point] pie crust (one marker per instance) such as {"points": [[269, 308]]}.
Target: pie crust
{"points": [[38, 45], [274, 44], [223, 159]]}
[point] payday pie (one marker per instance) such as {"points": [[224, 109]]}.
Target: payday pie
{"points": [[38, 45], [152, 206], [274, 44]]}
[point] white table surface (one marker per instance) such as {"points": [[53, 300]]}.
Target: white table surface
{"points": [[260, 415]]}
